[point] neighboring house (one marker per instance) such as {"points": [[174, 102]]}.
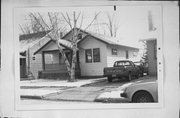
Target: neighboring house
{"points": [[96, 51], [29, 43], [151, 55], [151, 41]]}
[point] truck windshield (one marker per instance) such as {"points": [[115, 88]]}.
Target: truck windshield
{"points": [[122, 63]]}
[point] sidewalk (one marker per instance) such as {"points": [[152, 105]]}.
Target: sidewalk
{"points": [[58, 83], [37, 89]]}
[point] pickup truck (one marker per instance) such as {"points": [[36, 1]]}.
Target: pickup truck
{"points": [[121, 69]]}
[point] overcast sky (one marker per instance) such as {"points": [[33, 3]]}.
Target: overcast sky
{"points": [[132, 20]]}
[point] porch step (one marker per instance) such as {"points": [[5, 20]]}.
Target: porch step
{"points": [[54, 71], [55, 74]]}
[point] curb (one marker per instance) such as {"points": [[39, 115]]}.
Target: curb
{"points": [[31, 97], [68, 100], [111, 100]]}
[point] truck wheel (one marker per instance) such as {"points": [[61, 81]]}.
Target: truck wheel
{"points": [[137, 76], [129, 76], [109, 79]]}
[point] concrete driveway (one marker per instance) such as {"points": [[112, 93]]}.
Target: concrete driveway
{"points": [[93, 90]]}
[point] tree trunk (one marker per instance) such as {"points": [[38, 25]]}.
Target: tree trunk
{"points": [[73, 64], [65, 58], [74, 42]]}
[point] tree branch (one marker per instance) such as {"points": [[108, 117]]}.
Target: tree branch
{"points": [[78, 15], [92, 21], [37, 20], [43, 20], [50, 18], [22, 29], [67, 21]]}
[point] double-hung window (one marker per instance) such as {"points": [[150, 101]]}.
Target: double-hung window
{"points": [[96, 55], [92, 55], [114, 51], [88, 53]]}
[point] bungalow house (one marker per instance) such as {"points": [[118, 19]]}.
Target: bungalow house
{"points": [[151, 55], [95, 52]]}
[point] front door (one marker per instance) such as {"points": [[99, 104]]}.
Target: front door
{"points": [[22, 67]]}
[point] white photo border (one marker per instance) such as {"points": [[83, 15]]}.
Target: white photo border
{"points": [[160, 63]]}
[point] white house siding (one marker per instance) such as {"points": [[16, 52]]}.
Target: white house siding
{"points": [[36, 65], [152, 61], [121, 54], [92, 69]]}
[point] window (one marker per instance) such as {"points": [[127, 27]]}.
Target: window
{"points": [[88, 53], [155, 50], [96, 55], [135, 54], [127, 54], [92, 55], [114, 51], [79, 36], [121, 63]]}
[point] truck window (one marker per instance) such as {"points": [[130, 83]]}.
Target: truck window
{"points": [[122, 63]]}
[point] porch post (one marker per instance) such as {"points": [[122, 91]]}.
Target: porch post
{"points": [[43, 61], [78, 68]]}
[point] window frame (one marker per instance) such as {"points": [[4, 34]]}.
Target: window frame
{"points": [[99, 58], [114, 51], [93, 56], [155, 50], [86, 56], [127, 54]]}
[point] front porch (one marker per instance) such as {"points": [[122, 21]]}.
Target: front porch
{"points": [[54, 66]]}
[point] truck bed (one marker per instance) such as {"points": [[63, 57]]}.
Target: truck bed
{"points": [[110, 71]]}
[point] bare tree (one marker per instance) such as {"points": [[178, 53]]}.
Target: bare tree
{"points": [[112, 24], [75, 22], [31, 27], [144, 56], [72, 22]]}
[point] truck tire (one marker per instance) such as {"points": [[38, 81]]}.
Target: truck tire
{"points": [[109, 79], [129, 76], [137, 76]]}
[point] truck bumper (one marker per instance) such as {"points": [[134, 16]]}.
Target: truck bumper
{"points": [[116, 75]]}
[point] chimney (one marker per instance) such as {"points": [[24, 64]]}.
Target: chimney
{"points": [[61, 34], [150, 22]]}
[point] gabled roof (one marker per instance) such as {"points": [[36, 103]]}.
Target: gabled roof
{"points": [[33, 35], [103, 38], [110, 40], [29, 40]]}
